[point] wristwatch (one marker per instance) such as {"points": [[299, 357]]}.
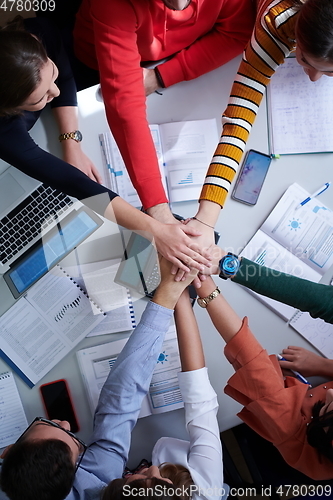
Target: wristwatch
{"points": [[229, 265], [76, 136], [205, 300]]}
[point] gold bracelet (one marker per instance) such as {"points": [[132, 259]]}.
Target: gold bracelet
{"points": [[203, 302], [204, 223]]}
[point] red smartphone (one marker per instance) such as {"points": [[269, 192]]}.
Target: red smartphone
{"points": [[58, 404]]}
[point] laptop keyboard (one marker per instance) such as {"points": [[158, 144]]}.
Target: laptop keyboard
{"points": [[24, 222]]}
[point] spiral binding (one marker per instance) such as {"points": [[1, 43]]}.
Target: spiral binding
{"points": [[5, 375], [295, 317], [81, 289], [131, 308]]}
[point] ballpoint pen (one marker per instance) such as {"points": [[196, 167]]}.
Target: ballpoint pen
{"points": [[313, 195], [297, 374]]}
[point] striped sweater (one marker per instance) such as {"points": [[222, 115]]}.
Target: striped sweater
{"points": [[272, 40]]}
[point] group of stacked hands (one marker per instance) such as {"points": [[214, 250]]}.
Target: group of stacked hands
{"points": [[114, 38]]}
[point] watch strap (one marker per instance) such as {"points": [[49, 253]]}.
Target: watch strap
{"points": [[204, 301], [75, 135]]}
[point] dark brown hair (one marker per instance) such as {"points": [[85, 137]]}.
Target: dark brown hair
{"points": [[314, 28], [178, 490], [39, 469], [320, 431], [21, 58]]}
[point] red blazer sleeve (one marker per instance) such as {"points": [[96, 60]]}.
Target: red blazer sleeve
{"points": [[124, 97]]}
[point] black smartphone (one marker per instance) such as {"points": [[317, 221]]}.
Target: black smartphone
{"points": [[251, 177], [58, 404]]}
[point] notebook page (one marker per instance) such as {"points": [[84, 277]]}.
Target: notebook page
{"points": [[316, 331], [12, 416], [300, 111]]}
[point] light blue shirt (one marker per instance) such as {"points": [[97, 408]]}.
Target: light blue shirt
{"points": [[119, 406]]}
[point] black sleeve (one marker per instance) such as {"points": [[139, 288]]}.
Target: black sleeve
{"points": [[19, 149], [49, 36]]}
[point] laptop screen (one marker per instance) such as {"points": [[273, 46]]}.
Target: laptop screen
{"points": [[50, 249]]}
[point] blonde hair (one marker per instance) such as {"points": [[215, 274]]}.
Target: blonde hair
{"points": [[180, 477]]}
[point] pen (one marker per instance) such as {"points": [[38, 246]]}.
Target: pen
{"points": [[297, 374], [313, 195]]}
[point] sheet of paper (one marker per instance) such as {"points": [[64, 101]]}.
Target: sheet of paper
{"points": [[115, 168], [265, 251], [188, 148], [306, 232], [316, 331], [300, 111], [164, 395], [12, 416]]}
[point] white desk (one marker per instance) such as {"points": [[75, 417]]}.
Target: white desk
{"points": [[205, 97]]}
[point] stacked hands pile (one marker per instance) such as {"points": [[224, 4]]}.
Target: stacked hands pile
{"points": [[191, 37]]}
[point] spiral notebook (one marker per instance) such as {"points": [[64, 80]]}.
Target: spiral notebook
{"points": [[12, 416], [45, 324]]}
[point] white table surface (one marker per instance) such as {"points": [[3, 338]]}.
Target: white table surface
{"points": [[202, 98]]}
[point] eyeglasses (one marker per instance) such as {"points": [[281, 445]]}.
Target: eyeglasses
{"points": [[80, 444]]}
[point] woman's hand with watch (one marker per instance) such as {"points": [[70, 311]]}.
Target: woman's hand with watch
{"points": [[225, 264]]}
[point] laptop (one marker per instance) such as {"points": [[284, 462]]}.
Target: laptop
{"points": [[39, 226]]}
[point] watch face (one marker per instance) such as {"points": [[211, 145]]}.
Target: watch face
{"points": [[230, 264], [77, 136]]}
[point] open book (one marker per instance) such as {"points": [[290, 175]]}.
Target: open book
{"points": [[184, 151], [300, 112], [297, 242], [164, 393], [45, 324]]}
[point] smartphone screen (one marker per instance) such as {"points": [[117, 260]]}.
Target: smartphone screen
{"points": [[251, 177], [58, 404]]}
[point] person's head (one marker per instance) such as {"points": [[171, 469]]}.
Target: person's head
{"points": [[27, 75], [167, 482], [314, 37], [42, 463], [320, 430]]}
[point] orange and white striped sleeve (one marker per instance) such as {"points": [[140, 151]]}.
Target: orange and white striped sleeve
{"points": [[271, 42]]}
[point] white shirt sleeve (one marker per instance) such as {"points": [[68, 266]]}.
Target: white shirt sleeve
{"points": [[202, 455]]}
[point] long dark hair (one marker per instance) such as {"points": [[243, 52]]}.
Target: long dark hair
{"points": [[320, 431], [21, 58], [314, 28]]}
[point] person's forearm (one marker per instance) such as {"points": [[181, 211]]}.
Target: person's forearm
{"points": [[162, 213], [208, 212], [124, 214], [67, 121], [188, 335], [326, 369], [305, 295], [225, 319]]}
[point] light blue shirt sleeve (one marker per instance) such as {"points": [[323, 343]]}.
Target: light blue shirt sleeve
{"points": [[119, 406], [122, 394]]}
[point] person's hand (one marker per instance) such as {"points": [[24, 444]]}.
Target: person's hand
{"points": [[175, 242], [305, 362], [205, 241], [150, 81], [169, 291], [78, 159]]}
